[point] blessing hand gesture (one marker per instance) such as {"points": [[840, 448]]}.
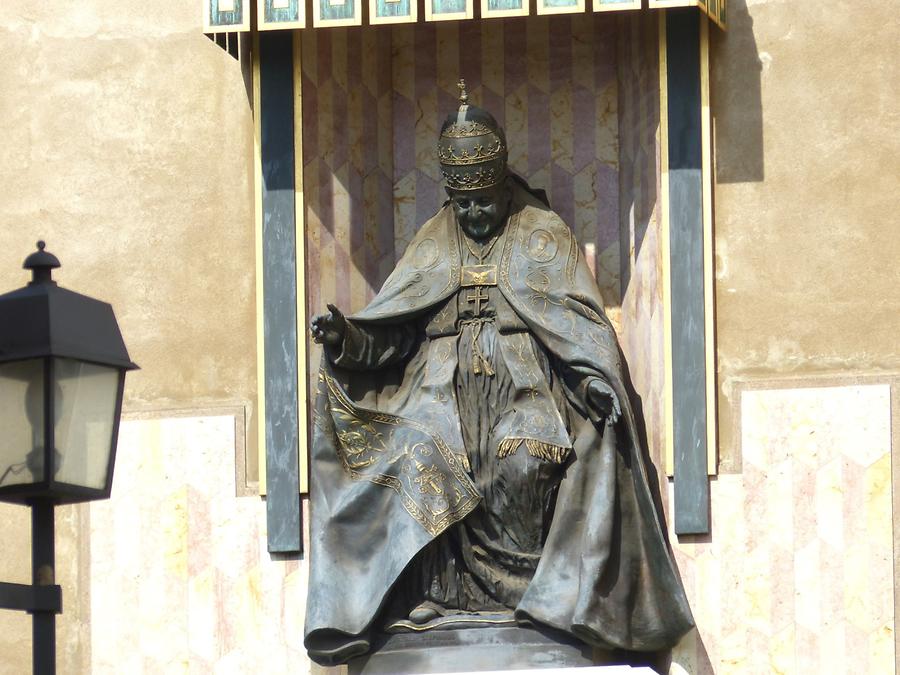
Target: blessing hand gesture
{"points": [[328, 329]]}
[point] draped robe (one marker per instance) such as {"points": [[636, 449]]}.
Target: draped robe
{"points": [[392, 477]]}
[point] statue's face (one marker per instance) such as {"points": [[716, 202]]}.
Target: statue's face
{"points": [[481, 213]]}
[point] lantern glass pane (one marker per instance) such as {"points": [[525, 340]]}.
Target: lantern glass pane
{"points": [[21, 422], [85, 409]]}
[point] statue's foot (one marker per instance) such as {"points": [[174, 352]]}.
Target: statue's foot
{"points": [[423, 613]]}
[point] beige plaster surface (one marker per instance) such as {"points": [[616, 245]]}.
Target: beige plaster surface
{"points": [[807, 150], [127, 139]]}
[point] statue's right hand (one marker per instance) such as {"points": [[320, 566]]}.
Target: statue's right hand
{"points": [[328, 329]]}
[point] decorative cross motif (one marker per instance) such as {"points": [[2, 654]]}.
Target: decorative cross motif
{"points": [[477, 296]]}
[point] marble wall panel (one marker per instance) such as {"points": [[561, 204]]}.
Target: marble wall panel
{"points": [[797, 575], [347, 128], [180, 578]]}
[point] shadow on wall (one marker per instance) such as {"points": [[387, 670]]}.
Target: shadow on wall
{"points": [[237, 45], [736, 84]]}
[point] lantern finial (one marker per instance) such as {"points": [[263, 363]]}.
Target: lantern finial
{"points": [[41, 263]]}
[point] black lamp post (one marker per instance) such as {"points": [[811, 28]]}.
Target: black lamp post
{"points": [[62, 374]]}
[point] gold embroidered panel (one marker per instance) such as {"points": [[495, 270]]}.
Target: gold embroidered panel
{"points": [[402, 455]]}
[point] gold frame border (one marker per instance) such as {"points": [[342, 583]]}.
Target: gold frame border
{"points": [[668, 397], [579, 8], [300, 271], [669, 4], [257, 228], [211, 29], [502, 13], [262, 24], [375, 20], [709, 274], [318, 22], [616, 7], [450, 16]]}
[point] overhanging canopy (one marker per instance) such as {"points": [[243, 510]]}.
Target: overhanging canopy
{"points": [[222, 16]]}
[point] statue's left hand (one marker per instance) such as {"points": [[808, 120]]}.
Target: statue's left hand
{"points": [[604, 400]]}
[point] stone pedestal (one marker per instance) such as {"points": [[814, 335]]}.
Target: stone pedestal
{"points": [[472, 650]]}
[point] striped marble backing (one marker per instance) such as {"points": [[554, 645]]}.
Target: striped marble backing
{"points": [[373, 102]]}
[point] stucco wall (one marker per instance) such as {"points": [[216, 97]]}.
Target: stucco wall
{"points": [[807, 141], [798, 573], [126, 144], [127, 139]]}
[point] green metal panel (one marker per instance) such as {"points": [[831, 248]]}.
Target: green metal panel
{"points": [[329, 11], [287, 14], [686, 266], [282, 434], [500, 5], [448, 6], [234, 18], [393, 8]]}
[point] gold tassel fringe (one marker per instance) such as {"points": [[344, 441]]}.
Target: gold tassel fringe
{"points": [[480, 364], [508, 446], [546, 451]]}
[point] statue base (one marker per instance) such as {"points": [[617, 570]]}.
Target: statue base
{"points": [[472, 650]]}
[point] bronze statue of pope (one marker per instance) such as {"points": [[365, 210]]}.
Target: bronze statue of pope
{"points": [[475, 457]]}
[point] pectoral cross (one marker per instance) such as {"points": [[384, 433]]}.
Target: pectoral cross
{"points": [[477, 296]]}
